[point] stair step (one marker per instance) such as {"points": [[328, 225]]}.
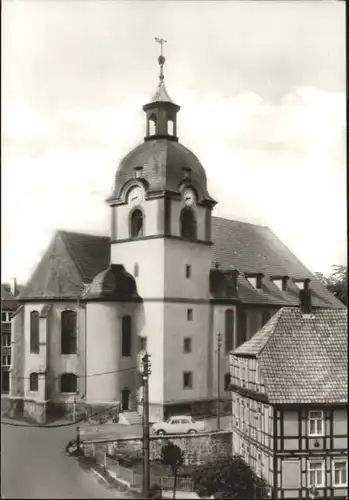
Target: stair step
{"points": [[130, 418]]}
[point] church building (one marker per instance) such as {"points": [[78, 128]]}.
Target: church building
{"points": [[169, 278]]}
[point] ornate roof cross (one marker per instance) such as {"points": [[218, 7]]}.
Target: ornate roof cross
{"points": [[161, 58], [161, 41]]}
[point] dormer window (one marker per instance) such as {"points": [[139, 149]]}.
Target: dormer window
{"points": [[138, 171], [302, 284], [186, 172], [281, 282], [256, 280]]}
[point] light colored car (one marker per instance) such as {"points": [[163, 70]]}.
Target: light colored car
{"points": [[180, 424]]}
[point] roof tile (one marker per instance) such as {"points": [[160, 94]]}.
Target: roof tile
{"points": [[303, 359]]}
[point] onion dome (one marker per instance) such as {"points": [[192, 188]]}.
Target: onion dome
{"points": [[112, 284]]}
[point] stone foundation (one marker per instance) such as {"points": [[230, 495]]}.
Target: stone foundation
{"points": [[11, 407], [35, 410], [197, 450], [95, 412]]}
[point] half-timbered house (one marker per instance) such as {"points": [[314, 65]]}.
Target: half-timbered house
{"points": [[289, 397]]}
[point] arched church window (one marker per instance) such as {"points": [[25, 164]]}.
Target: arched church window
{"points": [[136, 223], [188, 224], [68, 332], [34, 332], [126, 336]]}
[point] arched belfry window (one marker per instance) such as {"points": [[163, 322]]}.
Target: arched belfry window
{"points": [[136, 223], [171, 127], [68, 332], [152, 124], [188, 224]]}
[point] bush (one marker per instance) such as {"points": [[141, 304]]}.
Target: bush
{"points": [[228, 477]]}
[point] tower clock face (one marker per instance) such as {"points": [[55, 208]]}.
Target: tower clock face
{"points": [[188, 197], [135, 196]]}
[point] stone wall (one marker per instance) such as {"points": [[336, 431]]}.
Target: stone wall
{"points": [[197, 449], [34, 410]]}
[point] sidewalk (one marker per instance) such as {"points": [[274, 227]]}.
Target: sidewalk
{"points": [[179, 494]]}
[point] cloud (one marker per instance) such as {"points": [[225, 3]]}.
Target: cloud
{"points": [[266, 163]]}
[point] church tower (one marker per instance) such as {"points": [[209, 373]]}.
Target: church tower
{"points": [[161, 234]]}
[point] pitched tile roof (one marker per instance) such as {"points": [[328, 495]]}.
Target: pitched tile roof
{"points": [[302, 359], [8, 299], [251, 248], [237, 245], [71, 260], [91, 253], [114, 283]]}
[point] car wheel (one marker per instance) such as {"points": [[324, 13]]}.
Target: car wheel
{"points": [[192, 431], [160, 432]]}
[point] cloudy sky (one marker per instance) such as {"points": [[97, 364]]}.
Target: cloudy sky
{"points": [[262, 90]]}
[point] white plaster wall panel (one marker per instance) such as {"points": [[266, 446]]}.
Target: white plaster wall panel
{"points": [[149, 255], [179, 254], [175, 361]]}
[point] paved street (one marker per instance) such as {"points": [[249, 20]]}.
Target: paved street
{"points": [[34, 465]]}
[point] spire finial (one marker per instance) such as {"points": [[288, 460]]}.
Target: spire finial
{"points": [[161, 58]]}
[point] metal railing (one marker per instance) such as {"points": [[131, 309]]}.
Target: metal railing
{"points": [[135, 480]]}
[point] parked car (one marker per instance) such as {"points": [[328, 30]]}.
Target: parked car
{"points": [[181, 424]]}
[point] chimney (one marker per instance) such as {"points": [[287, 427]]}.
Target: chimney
{"points": [[305, 301], [232, 279], [13, 286]]}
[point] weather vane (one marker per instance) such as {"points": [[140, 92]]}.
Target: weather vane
{"points": [[161, 58]]}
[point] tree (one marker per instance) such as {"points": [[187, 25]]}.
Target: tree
{"points": [[172, 455], [228, 477], [337, 283]]}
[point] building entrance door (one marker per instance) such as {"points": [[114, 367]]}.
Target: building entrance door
{"points": [[125, 399]]}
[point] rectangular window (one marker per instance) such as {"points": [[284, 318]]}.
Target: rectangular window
{"points": [[187, 380], [190, 315], [5, 381], [69, 383], [6, 340], [316, 423], [340, 472], [259, 464], [126, 335], [34, 382], [136, 270], [143, 343], [316, 473], [6, 317], [187, 271], [6, 360], [187, 345], [227, 381]]}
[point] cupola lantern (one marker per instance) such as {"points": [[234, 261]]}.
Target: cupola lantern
{"points": [[161, 111]]}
